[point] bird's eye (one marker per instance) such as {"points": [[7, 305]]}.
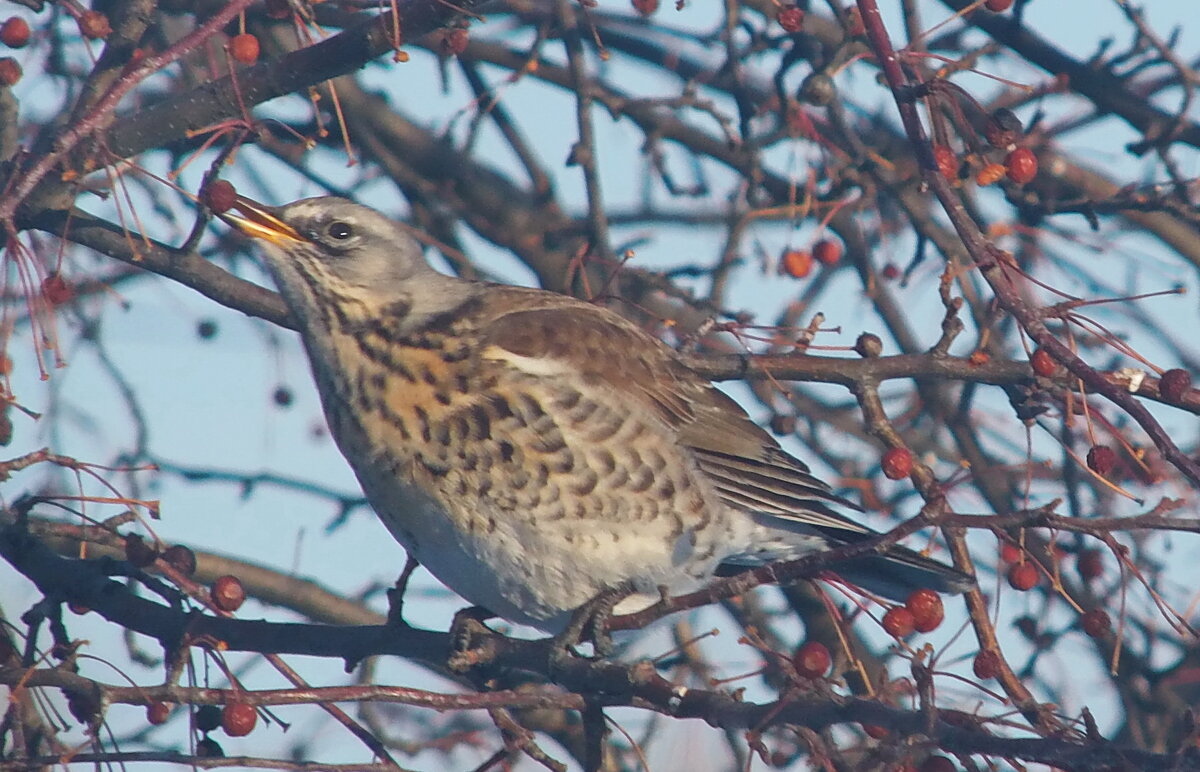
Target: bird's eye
{"points": [[340, 231]]}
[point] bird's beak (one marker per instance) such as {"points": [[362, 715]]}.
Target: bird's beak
{"points": [[260, 222]]}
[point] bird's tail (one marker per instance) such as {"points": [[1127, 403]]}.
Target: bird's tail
{"points": [[899, 571]]}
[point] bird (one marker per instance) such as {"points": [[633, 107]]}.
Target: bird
{"points": [[532, 450]]}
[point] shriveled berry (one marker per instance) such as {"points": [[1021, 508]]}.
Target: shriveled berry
{"points": [[1042, 363], [181, 559], [56, 290], [14, 32], [245, 48], [94, 25], [796, 263], [898, 622], [1021, 165], [219, 196], [454, 41], [927, 610], [645, 7], [1089, 564], [947, 162], [10, 71], [1003, 128], [1023, 576], [208, 718], [1102, 459], [227, 593], [157, 713], [990, 174], [1174, 384], [868, 345], [208, 748], [987, 664], [1096, 623], [998, 6], [897, 463], [791, 18], [138, 552], [812, 660], [238, 719], [827, 252]]}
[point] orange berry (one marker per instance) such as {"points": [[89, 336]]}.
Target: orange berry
{"points": [[244, 48], [979, 358], [947, 162], [1021, 165], [796, 263], [15, 32], [927, 610], [238, 719], [812, 660], [94, 25], [1023, 576], [227, 593], [827, 252], [987, 664], [897, 463], [1042, 363], [990, 174], [899, 622]]}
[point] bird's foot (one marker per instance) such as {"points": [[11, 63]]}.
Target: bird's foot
{"points": [[468, 639], [589, 623]]}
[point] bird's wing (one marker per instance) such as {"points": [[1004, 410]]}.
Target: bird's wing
{"points": [[551, 336]]}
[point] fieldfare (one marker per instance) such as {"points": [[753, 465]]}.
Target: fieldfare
{"points": [[534, 451]]}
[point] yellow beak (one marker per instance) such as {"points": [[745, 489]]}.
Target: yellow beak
{"points": [[260, 223]]}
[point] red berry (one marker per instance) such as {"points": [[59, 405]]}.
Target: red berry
{"points": [[1003, 128], [14, 33], [94, 25], [812, 660], [897, 463], [1021, 165], [219, 196], [227, 593], [454, 41], [1010, 553], [827, 252], [891, 272], [938, 764], [1102, 459], [796, 263], [790, 18], [1023, 576], [899, 622], [645, 7], [927, 610], [987, 664], [1090, 565], [1096, 623], [181, 559], [990, 174], [56, 290], [1042, 363], [947, 162], [1174, 384], [244, 48], [10, 71], [157, 713], [998, 6], [138, 552], [238, 719]]}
